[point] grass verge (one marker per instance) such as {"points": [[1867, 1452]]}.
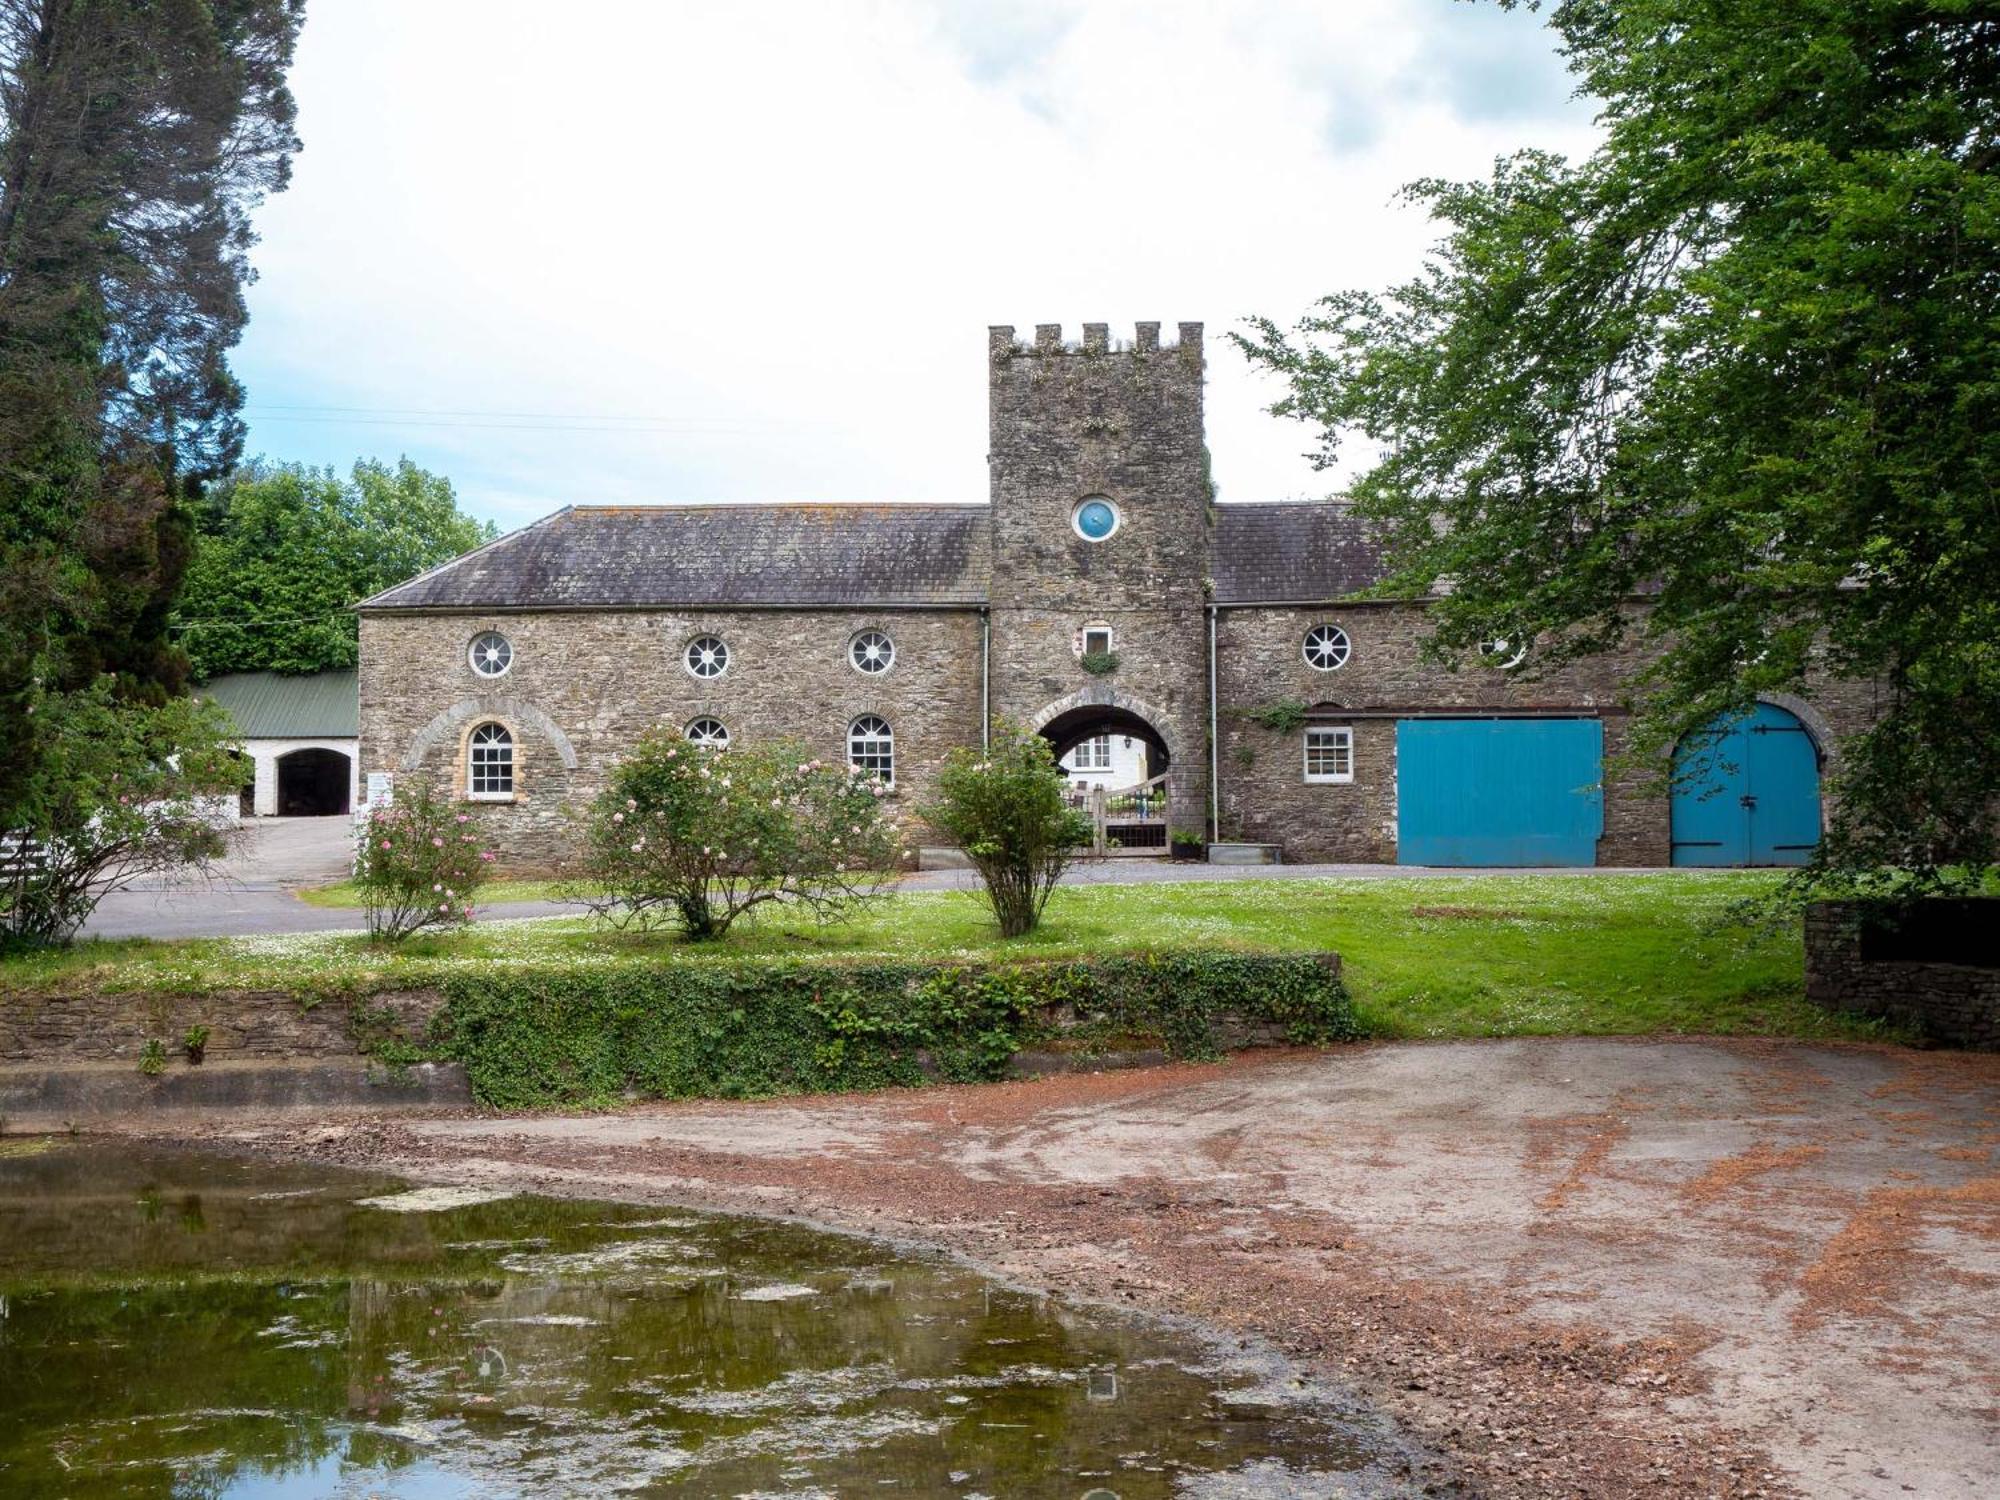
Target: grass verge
{"points": [[1525, 955]]}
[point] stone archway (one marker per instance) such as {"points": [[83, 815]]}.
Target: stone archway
{"points": [[512, 710], [1111, 705], [1128, 796]]}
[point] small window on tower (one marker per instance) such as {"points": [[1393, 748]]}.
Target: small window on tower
{"points": [[1097, 640]]}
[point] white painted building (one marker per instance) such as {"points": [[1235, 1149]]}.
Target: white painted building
{"points": [[1110, 760], [301, 736]]}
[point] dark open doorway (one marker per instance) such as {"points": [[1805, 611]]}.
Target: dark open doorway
{"points": [[313, 784]]}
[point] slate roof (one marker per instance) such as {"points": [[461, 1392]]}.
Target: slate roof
{"points": [[265, 706], [693, 556], [1297, 551]]}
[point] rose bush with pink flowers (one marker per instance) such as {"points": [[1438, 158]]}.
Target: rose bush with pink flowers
{"points": [[418, 861], [693, 837]]}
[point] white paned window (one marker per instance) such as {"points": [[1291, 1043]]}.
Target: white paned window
{"points": [[489, 764], [1094, 754], [1326, 648], [1503, 653], [1330, 754], [872, 651], [871, 747], [1096, 640], [708, 734], [490, 653], [706, 656]]}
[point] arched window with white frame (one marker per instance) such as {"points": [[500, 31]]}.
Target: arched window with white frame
{"points": [[489, 764], [871, 747], [708, 734]]}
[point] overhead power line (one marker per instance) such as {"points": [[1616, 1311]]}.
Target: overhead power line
{"points": [[505, 421]]}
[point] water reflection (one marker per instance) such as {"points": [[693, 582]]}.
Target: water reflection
{"points": [[179, 1326]]}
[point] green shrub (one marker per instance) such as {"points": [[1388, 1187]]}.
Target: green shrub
{"points": [[418, 863], [694, 836], [733, 1028], [1004, 807], [116, 792]]}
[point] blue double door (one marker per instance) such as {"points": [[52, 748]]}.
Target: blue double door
{"points": [[1499, 791], [1746, 792]]}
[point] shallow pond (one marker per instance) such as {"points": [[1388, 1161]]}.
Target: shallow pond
{"points": [[191, 1326]]}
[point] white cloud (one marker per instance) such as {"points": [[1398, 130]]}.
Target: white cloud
{"points": [[637, 252]]}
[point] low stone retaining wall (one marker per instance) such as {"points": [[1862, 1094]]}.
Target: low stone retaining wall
{"points": [[93, 1027], [1932, 965], [556, 1034]]}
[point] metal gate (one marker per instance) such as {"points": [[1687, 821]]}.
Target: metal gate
{"points": [[1499, 791], [1746, 792]]}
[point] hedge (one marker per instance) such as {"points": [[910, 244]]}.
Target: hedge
{"points": [[541, 1037]]}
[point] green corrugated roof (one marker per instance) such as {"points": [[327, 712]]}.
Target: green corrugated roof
{"points": [[266, 706]]}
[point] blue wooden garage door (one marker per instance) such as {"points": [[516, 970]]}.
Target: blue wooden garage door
{"points": [[1746, 792], [1499, 791]]}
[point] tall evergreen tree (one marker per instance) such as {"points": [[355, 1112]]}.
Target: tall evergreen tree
{"points": [[135, 138]]}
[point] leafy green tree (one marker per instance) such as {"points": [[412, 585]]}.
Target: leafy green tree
{"points": [[121, 792], [285, 550], [1740, 361], [1004, 806], [136, 136], [694, 837]]}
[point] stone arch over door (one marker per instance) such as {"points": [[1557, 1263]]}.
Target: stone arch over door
{"points": [[511, 711], [1104, 696]]}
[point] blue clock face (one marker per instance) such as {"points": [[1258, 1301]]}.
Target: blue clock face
{"points": [[1096, 519]]}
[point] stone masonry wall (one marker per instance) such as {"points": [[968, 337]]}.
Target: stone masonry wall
{"points": [[52, 1029], [1074, 421], [583, 686], [1265, 796], [1958, 1004]]}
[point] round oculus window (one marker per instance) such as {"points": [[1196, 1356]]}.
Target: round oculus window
{"points": [[872, 651], [706, 656], [1095, 518], [1326, 648], [1502, 652], [708, 734], [490, 653]]}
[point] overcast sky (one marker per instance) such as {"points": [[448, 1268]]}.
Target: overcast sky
{"points": [[625, 251]]}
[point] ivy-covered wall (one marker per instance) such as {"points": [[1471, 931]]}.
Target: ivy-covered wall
{"points": [[544, 1035], [541, 1038]]}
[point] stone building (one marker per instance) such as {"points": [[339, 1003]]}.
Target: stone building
{"points": [[1099, 590]]}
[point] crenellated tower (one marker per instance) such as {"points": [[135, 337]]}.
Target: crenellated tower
{"points": [[1100, 526]]}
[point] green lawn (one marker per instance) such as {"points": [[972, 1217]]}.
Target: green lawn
{"points": [[345, 894], [1494, 956]]}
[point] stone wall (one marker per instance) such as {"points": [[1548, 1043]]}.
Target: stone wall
{"points": [[582, 686], [1264, 794], [48, 1030], [1954, 1003], [1073, 421], [1265, 797]]}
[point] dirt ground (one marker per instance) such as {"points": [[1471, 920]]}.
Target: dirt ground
{"points": [[1569, 1268]]}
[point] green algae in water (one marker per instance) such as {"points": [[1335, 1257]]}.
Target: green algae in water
{"points": [[194, 1328]]}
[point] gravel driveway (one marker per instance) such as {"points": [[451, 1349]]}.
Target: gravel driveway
{"points": [[1583, 1268]]}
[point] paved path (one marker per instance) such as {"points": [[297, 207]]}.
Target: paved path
{"points": [[1587, 1268], [254, 892]]}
